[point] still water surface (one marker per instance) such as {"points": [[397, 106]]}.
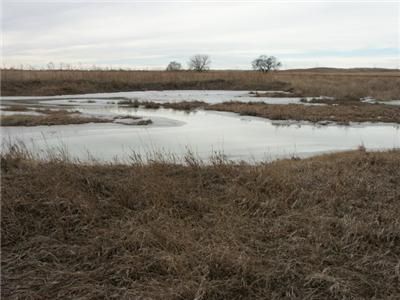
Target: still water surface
{"points": [[202, 132]]}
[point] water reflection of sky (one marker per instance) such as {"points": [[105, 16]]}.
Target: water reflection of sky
{"points": [[203, 132]]}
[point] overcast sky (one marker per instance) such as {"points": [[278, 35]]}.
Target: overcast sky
{"points": [[150, 34]]}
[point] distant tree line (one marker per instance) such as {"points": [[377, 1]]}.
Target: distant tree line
{"points": [[202, 62], [198, 63]]}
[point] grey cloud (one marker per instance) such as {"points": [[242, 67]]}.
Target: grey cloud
{"points": [[149, 34]]}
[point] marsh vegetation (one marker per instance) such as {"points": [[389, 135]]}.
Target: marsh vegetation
{"points": [[325, 227], [50, 117], [342, 114], [357, 83]]}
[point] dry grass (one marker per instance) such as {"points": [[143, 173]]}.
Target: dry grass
{"points": [[181, 105], [185, 105], [341, 84], [275, 94], [354, 112], [129, 103], [320, 228], [64, 117], [16, 108], [348, 101], [49, 117], [340, 111]]}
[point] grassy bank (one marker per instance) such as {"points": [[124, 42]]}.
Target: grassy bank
{"points": [[341, 84], [343, 114], [50, 117], [339, 111], [180, 105], [47, 117], [321, 228]]}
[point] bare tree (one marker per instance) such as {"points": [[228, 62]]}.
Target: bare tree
{"points": [[266, 63], [174, 66], [51, 66], [199, 63]]}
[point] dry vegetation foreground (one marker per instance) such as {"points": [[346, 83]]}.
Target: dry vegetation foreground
{"points": [[321, 228], [380, 84]]}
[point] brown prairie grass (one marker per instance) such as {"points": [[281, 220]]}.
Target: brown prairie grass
{"points": [[16, 108], [357, 112], [49, 117], [340, 84], [181, 105], [347, 101], [341, 111], [275, 94], [185, 105], [321, 228]]}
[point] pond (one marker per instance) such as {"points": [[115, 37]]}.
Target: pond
{"points": [[201, 132], [208, 96]]}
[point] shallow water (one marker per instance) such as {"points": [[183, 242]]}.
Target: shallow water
{"points": [[25, 113], [209, 96], [202, 132]]}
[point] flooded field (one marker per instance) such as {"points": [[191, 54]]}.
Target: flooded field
{"points": [[204, 133]]}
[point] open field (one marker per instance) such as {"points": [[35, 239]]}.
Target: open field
{"points": [[337, 83], [321, 228]]}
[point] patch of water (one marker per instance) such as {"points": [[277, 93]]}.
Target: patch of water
{"points": [[203, 132], [208, 96], [374, 101], [26, 113]]}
